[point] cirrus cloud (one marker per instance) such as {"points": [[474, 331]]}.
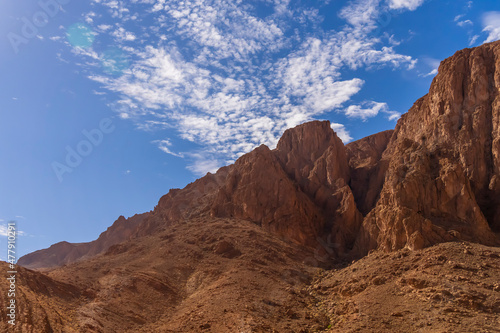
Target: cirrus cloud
{"points": [[229, 80], [491, 25]]}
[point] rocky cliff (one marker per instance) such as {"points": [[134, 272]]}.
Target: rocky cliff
{"points": [[442, 179]]}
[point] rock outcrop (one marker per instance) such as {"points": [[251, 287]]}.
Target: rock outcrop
{"points": [[258, 189], [442, 181], [299, 190]]}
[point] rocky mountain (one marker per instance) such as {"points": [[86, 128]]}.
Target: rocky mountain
{"points": [[267, 244]]}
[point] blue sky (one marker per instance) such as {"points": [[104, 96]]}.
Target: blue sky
{"points": [[105, 105]]}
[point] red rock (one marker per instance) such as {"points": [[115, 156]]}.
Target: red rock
{"points": [[258, 189], [442, 177], [368, 168]]}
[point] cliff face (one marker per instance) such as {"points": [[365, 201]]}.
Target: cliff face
{"points": [[442, 181], [462, 112], [368, 168], [274, 202]]}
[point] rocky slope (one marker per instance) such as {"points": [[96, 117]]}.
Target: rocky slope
{"points": [[203, 275], [450, 287], [254, 247], [229, 275], [433, 179]]}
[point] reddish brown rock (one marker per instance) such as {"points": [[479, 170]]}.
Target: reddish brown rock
{"points": [[182, 204], [226, 252], [462, 111], [435, 178], [257, 189], [313, 155], [442, 180], [316, 159], [427, 199], [367, 168]]}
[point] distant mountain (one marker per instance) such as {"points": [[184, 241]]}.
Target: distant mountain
{"points": [[65, 253], [266, 244]]}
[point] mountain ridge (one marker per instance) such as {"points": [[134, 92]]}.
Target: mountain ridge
{"points": [[320, 173], [308, 236]]}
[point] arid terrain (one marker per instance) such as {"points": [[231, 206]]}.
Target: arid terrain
{"points": [[396, 232]]}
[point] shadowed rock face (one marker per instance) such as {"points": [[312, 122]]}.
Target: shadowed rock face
{"points": [[259, 190], [462, 111], [368, 168]]}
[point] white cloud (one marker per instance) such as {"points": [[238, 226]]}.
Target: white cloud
{"points": [[369, 109], [431, 65], [462, 23], [361, 12], [392, 115], [465, 23], [342, 132], [241, 80], [405, 4], [122, 35], [164, 145], [365, 110], [473, 40], [203, 163], [491, 25], [4, 231], [89, 17], [104, 27], [431, 73]]}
